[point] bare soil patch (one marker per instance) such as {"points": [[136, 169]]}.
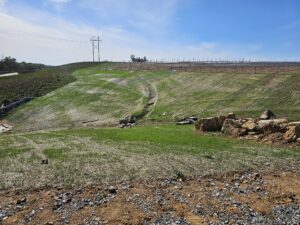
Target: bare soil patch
{"points": [[232, 198]]}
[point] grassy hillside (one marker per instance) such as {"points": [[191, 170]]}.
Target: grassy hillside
{"points": [[185, 94], [101, 96], [94, 98], [82, 155]]}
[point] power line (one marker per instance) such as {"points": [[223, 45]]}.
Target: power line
{"points": [[95, 40]]}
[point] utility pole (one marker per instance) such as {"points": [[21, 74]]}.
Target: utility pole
{"points": [[93, 40], [98, 40]]}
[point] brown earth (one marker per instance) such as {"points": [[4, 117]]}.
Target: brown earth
{"points": [[213, 199]]}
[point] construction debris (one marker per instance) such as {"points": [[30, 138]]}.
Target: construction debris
{"points": [[5, 126], [8, 106], [188, 120], [128, 121]]}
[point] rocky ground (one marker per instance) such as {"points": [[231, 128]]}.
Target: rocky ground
{"points": [[233, 198]]}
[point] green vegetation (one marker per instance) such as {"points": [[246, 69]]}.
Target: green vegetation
{"points": [[185, 94], [85, 95], [56, 153], [102, 95], [99, 154], [38, 83], [11, 152], [9, 64], [93, 99]]}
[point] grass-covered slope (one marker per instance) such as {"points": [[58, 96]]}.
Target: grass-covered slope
{"points": [[186, 94], [94, 98], [84, 155], [101, 96]]}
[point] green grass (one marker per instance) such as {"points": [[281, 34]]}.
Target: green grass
{"points": [[87, 154], [185, 94], [97, 95], [90, 98], [12, 152], [58, 154]]}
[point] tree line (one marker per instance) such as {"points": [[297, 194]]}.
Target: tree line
{"points": [[9, 65], [138, 59]]}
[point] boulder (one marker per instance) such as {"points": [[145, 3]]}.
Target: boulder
{"points": [[292, 134], [249, 125], [210, 124], [294, 123], [271, 138], [271, 126], [233, 128], [267, 115], [221, 120]]}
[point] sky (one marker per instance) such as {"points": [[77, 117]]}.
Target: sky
{"points": [[56, 32]]}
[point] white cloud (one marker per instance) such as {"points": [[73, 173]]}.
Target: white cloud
{"points": [[61, 41], [38, 36], [151, 16]]}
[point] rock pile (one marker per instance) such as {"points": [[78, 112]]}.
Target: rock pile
{"points": [[266, 128]]}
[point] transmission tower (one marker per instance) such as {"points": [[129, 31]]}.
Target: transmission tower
{"points": [[95, 40]]}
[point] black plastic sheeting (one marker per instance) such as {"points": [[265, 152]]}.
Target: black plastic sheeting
{"points": [[10, 106]]}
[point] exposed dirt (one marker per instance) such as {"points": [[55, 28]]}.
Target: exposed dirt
{"points": [[150, 91], [249, 198]]}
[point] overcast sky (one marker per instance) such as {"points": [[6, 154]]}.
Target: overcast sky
{"points": [[58, 31]]}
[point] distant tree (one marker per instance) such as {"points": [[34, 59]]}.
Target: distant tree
{"points": [[9, 64], [132, 57], [138, 59]]}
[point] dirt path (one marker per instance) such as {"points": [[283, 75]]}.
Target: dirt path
{"points": [[247, 198], [149, 90]]}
